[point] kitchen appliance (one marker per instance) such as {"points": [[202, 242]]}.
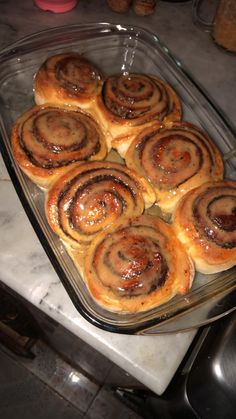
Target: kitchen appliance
{"points": [[204, 386]]}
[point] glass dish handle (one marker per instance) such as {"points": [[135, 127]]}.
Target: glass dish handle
{"points": [[44, 34], [197, 19], [19, 42]]}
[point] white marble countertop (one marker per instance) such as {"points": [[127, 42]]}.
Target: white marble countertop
{"points": [[24, 266]]}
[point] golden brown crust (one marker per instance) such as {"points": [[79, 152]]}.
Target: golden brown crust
{"points": [[174, 160], [90, 197], [129, 103], [68, 79], [205, 222], [47, 140], [137, 265]]}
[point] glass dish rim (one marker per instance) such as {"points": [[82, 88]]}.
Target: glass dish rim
{"points": [[22, 44]]}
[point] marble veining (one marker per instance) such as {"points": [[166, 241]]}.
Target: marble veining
{"points": [[24, 266]]}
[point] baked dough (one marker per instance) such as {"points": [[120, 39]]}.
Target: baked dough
{"points": [[137, 265], [90, 197], [68, 79], [205, 222], [47, 140], [174, 160], [129, 103]]}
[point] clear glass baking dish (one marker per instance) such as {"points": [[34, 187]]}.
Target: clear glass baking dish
{"points": [[114, 48]]}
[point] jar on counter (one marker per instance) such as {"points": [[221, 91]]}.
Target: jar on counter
{"points": [[223, 27], [119, 6]]}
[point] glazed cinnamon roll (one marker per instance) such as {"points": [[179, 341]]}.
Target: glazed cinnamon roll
{"points": [[48, 139], [91, 196], [67, 79], [129, 103], [205, 222], [174, 160], [137, 265]]}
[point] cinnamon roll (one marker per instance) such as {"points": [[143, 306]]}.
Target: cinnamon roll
{"points": [[205, 222], [90, 197], [48, 139], [129, 103], [137, 265], [174, 160], [68, 79]]}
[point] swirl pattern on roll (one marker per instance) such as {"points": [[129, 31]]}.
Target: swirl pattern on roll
{"points": [[139, 98], [67, 78], [47, 139], [174, 160], [205, 221], [91, 197], [129, 103], [137, 265]]}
